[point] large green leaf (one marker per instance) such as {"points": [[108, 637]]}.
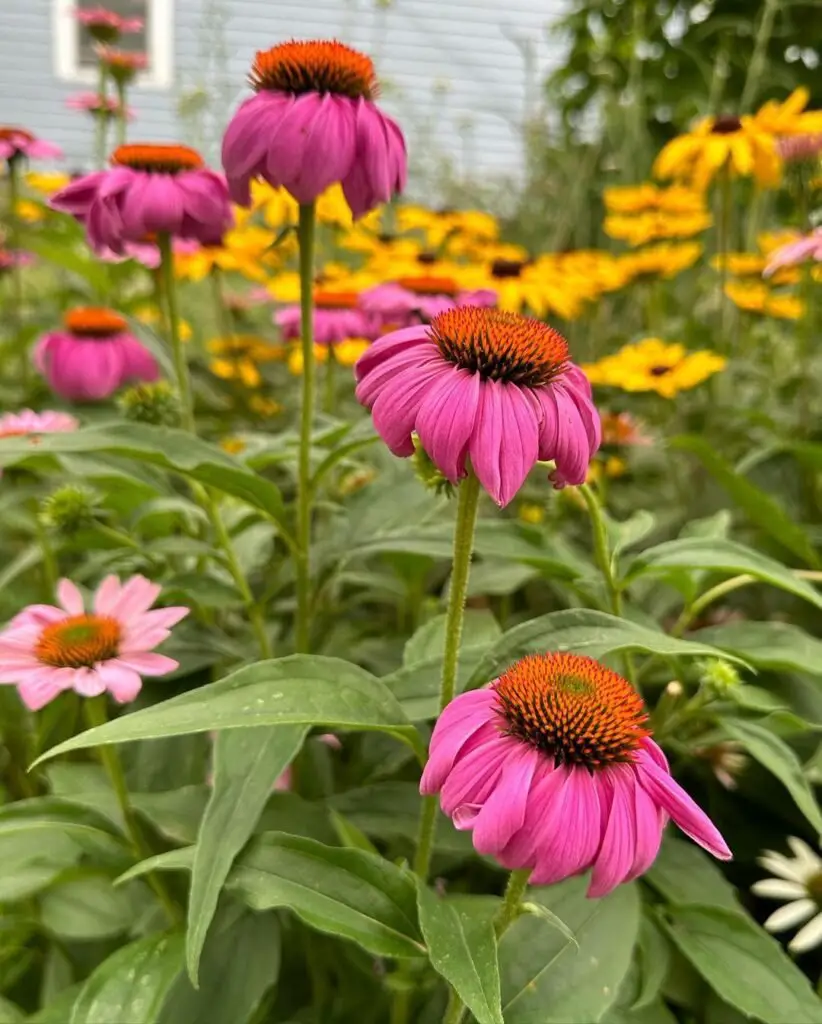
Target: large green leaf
{"points": [[131, 984], [462, 947], [170, 449], [761, 508], [298, 690], [247, 762], [582, 631], [775, 755], [684, 874], [777, 646], [344, 892], [721, 556], [546, 979], [743, 964]]}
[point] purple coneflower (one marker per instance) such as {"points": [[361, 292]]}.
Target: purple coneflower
{"points": [[17, 142], [486, 384], [552, 768], [336, 318]]}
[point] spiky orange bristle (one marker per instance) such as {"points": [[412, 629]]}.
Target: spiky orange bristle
{"points": [[78, 641], [158, 158], [318, 65], [499, 345], [428, 284], [326, 299], [572, 708], [94, 322]]}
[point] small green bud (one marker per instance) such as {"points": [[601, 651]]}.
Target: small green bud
{"points": [[718, 677], [69, 509], [155, 403], [427, 473]]}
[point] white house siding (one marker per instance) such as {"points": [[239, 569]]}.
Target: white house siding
{"points": [[460, 75]]}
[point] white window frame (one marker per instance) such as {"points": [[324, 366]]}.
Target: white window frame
{"points": [[159, 45]]}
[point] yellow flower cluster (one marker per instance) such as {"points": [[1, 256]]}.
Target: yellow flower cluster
{"points": [[655, 365], [638, 214]]}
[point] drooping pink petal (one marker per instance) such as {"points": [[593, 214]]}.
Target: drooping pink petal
{"points": [[504, 443], [503, 813], [396, 407], [389, 345], [39, 689], [619, 842], [455, 727], [87, 682], [446, 420], [121, 682], [570, 832], [148, 664], [475, 774]]}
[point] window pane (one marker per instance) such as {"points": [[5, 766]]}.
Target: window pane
{"points": [[136, 42]]}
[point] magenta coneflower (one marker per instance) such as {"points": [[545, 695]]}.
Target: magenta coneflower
{"points": [[46, 649], [804, 247], [798, 148], [149, 190], [336, 318], [486, 384], [312, 123], [553, 769], [93, 356], [17, 424], [413, 300], [122, 65], [17, 142], [104, 25], [95, 104]]}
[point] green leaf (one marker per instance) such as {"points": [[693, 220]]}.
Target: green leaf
{"points": [[132, 984], [170, 449], [462, 947], [722, 556], [743, 964], [582, 631], [776, 646], [87, 908], [684, 874], [77, 259], [247, 763], [546, 979], [9, 1013], [349, 893], [762, 510], [777, 757], [349, 835], [298, 690]]}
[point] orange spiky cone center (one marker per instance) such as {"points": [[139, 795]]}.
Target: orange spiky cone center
{"points": [[156, 158], [79, 641], [94, 322], [323, 65]]}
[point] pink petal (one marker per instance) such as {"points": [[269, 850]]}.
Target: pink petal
{"points": [[446, 418], [396, 407], [504, 443], [328, 149], [106, 595], [475, 775], [70, 597], [39, 689], [503, 813], [87, 682], [134, 599], [457, 724], [389, 345], [570, 831], [122, 683], [618, 852], [147, 664]]}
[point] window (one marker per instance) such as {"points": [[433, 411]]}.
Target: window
{"points": [[74, 59]]}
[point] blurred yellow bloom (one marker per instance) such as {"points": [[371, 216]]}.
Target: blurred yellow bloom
{"points": [[655, 365], [233, 445], [264, 406], [30, 212], [649, 227], [150, 316], [46, 182], [598, 270], [752, 264], [768, 241], [737, 143], [347, 352], [238, 356], [531, 513], [647, 198], [615, 466], [383, 247], [757, 297], [285, 286], [295, 358], [666, 260], [790, 116], [244, 250]]}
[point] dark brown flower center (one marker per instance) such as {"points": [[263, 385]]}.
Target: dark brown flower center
{"points": [[727, 124], [507, 268]]}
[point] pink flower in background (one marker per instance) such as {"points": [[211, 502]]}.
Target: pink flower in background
{"points": [[146, 253], [336, 318], [313, 122], [46, 649], [93, 103], [151, 189], [552, 769], [492, 386], [93, 356], [122, 65], [15, 258], [17, 142], [806, 247], [17, 424], [796, 148], [104, 25], [413, 300]]}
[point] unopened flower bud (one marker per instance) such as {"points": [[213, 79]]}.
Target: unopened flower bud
{"points": [[427, 472], [68, 509], [719, 677], [156, 403]]}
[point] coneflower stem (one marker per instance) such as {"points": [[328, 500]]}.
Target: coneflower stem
{"points": [[330, 389], [16, 267], [723, 247], [96, 715], [173, 323], [759, 55], [467, 504], [305, 236], [122, 114], [102, 118]]}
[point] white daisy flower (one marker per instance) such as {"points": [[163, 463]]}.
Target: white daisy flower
{"points": [[798, 880]]}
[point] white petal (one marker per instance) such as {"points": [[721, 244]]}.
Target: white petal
{"points": [[781, 866], [810, 936], [779, 889], [807, 859], [791, 914]]}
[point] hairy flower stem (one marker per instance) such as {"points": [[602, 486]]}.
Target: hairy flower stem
{"points": [[96, 714], [468, 502], [102, 119], [178, 354], [723, 247], [13, 167], [305, 236], [122, 117]]}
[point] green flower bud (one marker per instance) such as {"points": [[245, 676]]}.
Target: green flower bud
{"points": [[69, 509], [427, 473], [156, 403], [718, 677]]}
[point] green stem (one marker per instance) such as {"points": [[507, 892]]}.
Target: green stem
{"points": [[455, 1010], [330, 384], [102, 120], [514, 891], [759, 55], [50, 570], [305, 236], [804, 337], [461, 568], [16, 268], [723, 247], [122, 118], [177, 351], [97, 716]]}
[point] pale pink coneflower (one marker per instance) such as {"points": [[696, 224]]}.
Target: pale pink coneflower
{"points": [[552, 769], [806, 247], [47, 649], [17, 142]]}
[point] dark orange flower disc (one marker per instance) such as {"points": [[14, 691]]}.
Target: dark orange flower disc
{"points": [[94, 322], [156, 157], [78, 641], [323, 66]]}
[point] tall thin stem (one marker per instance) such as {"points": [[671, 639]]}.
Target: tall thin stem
{"points": [[102, 118], [305, 236], [461, 569], [759, 55], [723, 248], [122, 113], [17, 267], [95, 708], [178, 354]]}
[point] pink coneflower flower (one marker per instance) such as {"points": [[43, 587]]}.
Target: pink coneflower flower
{"points": [[96, 105], [336, 318], [17, 424], [17, 142], [46, 649], [122, 65], [105, 26], [553, 769], [797, 148], [806, 247], [413, 300], [486, 384], [312, 123], [14, 258], [93, 356], [150, 189]]}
